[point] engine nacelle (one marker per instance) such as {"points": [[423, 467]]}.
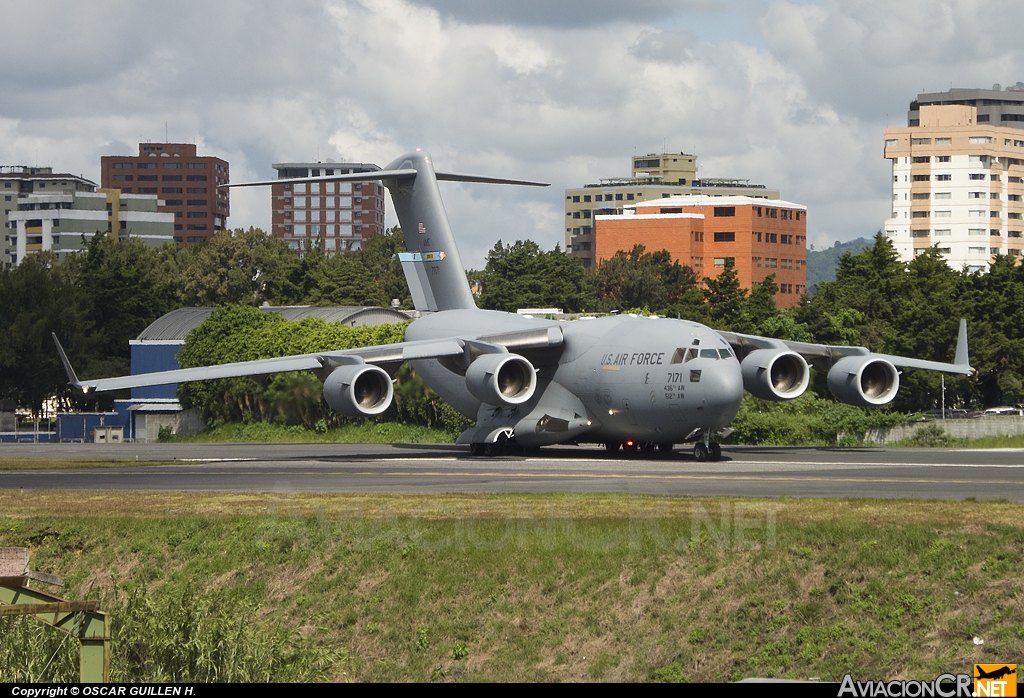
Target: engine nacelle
{"points": [[501, 379], [863, 381], [775, 374], [359, 390]]}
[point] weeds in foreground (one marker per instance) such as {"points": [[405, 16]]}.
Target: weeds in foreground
{"points": [[537, 588]]}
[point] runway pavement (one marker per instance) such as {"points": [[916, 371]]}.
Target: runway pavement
{"points": [[359, 468]]}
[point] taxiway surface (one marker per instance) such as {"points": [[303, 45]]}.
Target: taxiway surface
{"points": [[359, 468]]}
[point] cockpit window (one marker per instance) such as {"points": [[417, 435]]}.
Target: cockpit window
{"points": [[726, 354], [709, 353]]}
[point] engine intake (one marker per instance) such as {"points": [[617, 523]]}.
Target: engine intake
{"points": [[501, 379], [775, 374], [863, 381], [359, 390]]}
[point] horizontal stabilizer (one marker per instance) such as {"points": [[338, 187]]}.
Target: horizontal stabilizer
{"points": [[354, 177], [480, 179]]}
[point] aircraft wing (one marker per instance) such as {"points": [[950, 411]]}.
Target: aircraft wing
{"points": [[823, 356], [391, 355]]}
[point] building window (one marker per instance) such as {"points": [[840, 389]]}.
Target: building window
{"points": [[119, 178], [919, 197], [586, 198], [943, 214], [196, 214], [979, 139], [725, 237], [147, 165], [943, 232], [724, 211], [920, 141], [195, 166], [919, 233], [921, 158], [195, 178], [197, 202], [943, 178], [172, 202], [172, 165], [147, 190], [942, 158], [921, 178]]}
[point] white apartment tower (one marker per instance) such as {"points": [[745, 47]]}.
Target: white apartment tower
{"points": [[957, 185]]}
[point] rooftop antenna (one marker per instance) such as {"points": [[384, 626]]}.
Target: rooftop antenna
{"points": [[166, 140]]}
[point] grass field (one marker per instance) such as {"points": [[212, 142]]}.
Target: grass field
{"points": [[256, 586]]}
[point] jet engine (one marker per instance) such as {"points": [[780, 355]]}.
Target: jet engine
{"points": [[358, 390], [863, 381], [775, 374], [501, 379]]}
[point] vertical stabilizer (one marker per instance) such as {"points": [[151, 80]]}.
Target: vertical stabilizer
{"points": [[432, 263]]}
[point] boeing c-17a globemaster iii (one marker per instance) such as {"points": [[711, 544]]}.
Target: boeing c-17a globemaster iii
{"points": [[637, 382]]}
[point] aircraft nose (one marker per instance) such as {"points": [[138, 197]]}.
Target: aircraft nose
{"points": [[723, 391]]}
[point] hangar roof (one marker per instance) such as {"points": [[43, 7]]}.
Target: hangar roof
{"points": [[173, 326]]}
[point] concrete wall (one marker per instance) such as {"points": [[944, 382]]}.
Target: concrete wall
{"points": [[993, 425]]}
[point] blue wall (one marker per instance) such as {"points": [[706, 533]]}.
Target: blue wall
{"points": [[148, 358]]}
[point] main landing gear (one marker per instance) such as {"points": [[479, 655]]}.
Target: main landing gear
{"points": [[707, 450]]}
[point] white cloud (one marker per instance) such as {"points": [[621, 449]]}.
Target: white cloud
{"points": [[564, 95]]}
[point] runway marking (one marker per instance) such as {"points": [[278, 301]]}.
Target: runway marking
{"points": [[586, 476]]}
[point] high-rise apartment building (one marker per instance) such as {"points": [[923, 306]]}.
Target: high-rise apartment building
{"points": [[957, 184], [653, 177], [20, 180], [186, 183], [757, 237], [336, 215]]}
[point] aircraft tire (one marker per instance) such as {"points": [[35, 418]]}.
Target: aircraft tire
{"points": [[492, 450], [476, 449], [665, 447], [612, 446], [716, 452], [700, 452]]}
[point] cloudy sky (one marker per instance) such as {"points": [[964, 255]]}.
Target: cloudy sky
{"points": [[793, 95]]}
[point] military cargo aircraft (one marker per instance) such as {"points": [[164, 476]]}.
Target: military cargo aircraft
{"points": [[642, 383]]}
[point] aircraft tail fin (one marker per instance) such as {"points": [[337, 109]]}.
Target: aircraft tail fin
{"points": [[432, 266], [961, 345]]}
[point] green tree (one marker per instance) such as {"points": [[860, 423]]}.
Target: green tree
{"points": [[727, 301], [523, 276], [641, 279], [238, 266], [38, 298]]}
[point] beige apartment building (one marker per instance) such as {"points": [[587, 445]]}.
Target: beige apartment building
{"points": [[17, 181], [956, 184], [653, 177]]}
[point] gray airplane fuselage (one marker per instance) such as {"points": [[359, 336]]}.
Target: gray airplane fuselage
{"points": [[612, 378]]}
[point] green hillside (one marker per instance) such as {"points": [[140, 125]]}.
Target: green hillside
{"points": [[821, 264]]}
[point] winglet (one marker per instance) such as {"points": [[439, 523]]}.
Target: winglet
{"points": [[961, 358], [72, 378]]}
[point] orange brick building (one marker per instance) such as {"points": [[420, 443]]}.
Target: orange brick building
{"points": [[757, 236]]}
